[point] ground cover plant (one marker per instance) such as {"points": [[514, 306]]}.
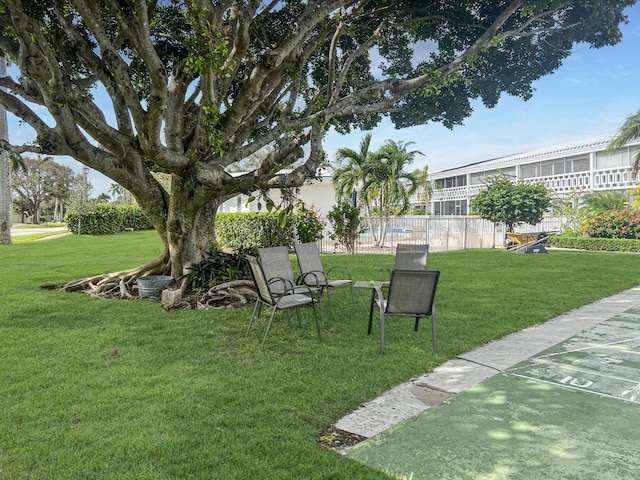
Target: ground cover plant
{"points": [[109, 389]]}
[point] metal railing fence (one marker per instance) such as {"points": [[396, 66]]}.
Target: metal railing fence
{"points": [[442, 233]]}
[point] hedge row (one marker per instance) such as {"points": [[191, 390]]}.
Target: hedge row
{"points": [[600, 244], [107, 219], [246, 231]]}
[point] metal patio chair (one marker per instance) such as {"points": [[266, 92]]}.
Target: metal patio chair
{"points": [[409, 257], [288, 299], [276, 265], [410, 293], [312, 271]]}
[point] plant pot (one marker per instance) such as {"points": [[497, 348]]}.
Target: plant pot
{"points": [[151, 285]]}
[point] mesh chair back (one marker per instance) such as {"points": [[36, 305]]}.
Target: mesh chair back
{"points": [[276, 264], [411, 292], [309, 261], [411, 257], [260, 280]]}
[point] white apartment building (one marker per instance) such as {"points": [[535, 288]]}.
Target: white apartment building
{"points": [[318, 194], [568, 169]]}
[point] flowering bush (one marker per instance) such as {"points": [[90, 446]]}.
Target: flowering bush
{"points": [[308, 223], [623, 224], [634, 194]]}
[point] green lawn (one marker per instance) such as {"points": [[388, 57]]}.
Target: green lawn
{"points": [[188, 396]]}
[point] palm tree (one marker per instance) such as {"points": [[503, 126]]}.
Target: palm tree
{"points": [[350, 175], [350, 171], [388, 180], [426, 185], [116, 190], [17, 163], [629, 132], [599, 203]]}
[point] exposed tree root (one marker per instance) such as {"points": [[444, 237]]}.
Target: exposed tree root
{"points": [[123, 285], [232, 294], [118, 284]]}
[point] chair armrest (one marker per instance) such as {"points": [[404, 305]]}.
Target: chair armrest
{"points": [[339, 267], [296, 290], [317, 278], [385, 269], [286, 283]]}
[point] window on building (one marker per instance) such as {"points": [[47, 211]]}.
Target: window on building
{"points": [[461, 181], [612, 160], [577, 164], [450, 207], [530, 171], [476, 178], [558, 167]]}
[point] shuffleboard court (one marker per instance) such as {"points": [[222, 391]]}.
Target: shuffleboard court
{"points": [[569, 412], [603, 361]]}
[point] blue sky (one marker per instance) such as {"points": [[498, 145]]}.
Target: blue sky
{"points": [[591, 94]]}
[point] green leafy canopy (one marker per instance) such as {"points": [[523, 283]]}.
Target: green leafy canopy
{"points": [[512, 203]]}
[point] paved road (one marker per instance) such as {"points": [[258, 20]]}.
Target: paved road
{"points": [[18, 232]]}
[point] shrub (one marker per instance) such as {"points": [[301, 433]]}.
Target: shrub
{"points": [[345, 221], [598, 244], [107, 219], [623, 224], [247, 231], [218, 267], [308, 225], [133, 218]]}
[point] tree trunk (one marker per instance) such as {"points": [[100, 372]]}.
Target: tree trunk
{"points": [[190, 226]]}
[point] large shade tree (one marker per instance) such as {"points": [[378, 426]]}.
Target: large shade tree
{"points": [[191, 87]]}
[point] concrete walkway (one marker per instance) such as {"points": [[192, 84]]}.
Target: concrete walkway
{"points": [[465, 371]]}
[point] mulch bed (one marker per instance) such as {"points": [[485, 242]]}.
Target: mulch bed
{"points": [[335, 438]]}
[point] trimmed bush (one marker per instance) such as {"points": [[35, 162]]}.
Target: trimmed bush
{"points": [[107, 219], [597, 244], [247, 231], [133, 218]]}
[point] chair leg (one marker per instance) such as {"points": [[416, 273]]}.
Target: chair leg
{"points": [[252, 317], [433, 329], [329, 302], [319, 292], [268, 327], [373, 296], [381, 330], [297, 315], [415, 328], [315, 317]]}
